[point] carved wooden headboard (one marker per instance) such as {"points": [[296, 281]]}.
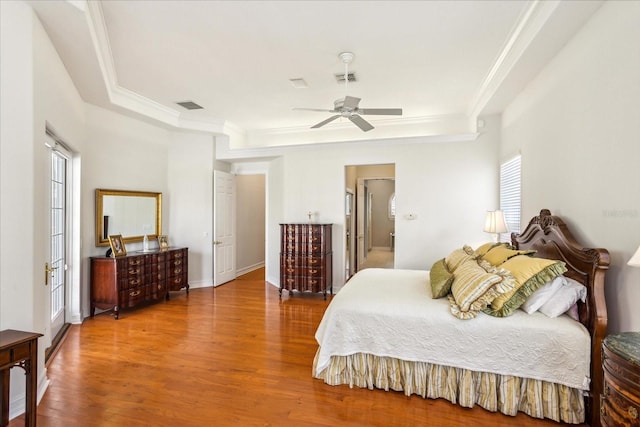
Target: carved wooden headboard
{"points": [[551, 238]]}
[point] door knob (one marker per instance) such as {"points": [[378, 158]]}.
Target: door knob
{"points": [[217, 242], [48, 271]]}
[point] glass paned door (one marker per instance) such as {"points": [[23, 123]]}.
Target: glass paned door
{"points": [[58, 239]]}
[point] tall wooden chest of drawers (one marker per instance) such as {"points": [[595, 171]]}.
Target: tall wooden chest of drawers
{"points": [[138, 277], [306, 263], [620, 402]]}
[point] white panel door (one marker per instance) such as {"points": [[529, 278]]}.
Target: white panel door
{"points": [[224, 228]]}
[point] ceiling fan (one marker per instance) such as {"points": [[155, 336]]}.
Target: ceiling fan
{"points": [[349, 106]]}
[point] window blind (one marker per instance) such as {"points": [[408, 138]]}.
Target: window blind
{"points": [[510, 195]]}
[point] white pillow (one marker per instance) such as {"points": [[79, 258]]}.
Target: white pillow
{"points": [[564, 298], [542, 295]]}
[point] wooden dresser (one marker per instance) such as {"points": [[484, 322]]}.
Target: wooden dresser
{"points": [[620, 401], [306, 258], [136, 278]]}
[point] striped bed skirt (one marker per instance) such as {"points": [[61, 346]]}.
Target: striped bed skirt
{"points": [[493, 392]]}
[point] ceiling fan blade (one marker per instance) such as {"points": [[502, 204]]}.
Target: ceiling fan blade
{"points": [[360, 122], [324, 122], [315, 109], [350, 103], [381, 111]]}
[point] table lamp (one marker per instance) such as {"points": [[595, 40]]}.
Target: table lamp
{"points": [[495, 223]]}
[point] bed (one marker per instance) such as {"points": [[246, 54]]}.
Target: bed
{"points": [[545, 367]]}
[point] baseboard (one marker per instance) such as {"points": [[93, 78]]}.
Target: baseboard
{"points": [[381, 248], [18, 404], [249, 269]]}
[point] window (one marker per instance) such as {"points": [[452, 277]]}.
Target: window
{"points": [[392, 206], [510, 195]]}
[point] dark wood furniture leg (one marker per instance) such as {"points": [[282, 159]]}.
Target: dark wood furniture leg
{"points": [[18, 348]]}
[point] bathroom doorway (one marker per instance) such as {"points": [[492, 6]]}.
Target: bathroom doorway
{"points": [[370, 217]]}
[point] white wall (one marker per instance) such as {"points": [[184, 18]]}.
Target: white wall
{"points": [[119, 153], [189, 202], [447, 186], [577, 125], [36, 92]]}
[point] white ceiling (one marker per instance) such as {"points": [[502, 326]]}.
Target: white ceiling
{"points": [[437, 60]]}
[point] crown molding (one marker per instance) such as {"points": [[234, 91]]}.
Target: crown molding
{"points": [[524, 32], [226, 152], [392, 128]]}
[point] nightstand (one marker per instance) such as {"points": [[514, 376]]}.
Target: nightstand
{"points": [[620, 401]]}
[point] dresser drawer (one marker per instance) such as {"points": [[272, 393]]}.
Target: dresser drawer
{"points": [[619, 407], [177, 255], [132, 297], [135, 261], [177, 282], [158, 290]]}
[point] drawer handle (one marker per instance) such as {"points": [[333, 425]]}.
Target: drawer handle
{"points": [[178, 262], [633, 412], [134, 282], [290, 270], [313, 282], [136, 271], [313, 271], [159, 286], [177, 280], [134, 293], [606, 390], [603, 411], [290, 280], [177, 270], [313, 261], [134, 262], [178, 256]]}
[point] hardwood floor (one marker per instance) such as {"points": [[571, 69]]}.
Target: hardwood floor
{"points": [[235, 355]]}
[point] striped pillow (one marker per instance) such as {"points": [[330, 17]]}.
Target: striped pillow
{"points": [[475, 286], [457, 257]]}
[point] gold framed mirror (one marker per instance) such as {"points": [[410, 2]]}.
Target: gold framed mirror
{"points": [[129, 213]]}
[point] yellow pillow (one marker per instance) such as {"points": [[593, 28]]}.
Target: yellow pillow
{"points": [[530, 273], [483, 249], [440, 279], [500, 254], [475, 286]]}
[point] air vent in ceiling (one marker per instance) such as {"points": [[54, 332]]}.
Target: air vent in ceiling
{"points": [[350, 76], [299, 83], [189, 105]]}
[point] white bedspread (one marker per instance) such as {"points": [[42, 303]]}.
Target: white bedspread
{"points": [[391, 313]]}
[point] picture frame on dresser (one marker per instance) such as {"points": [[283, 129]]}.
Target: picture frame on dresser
{"points": [[163, 242], [116, 243]]}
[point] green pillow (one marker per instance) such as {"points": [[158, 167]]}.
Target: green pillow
{"points": [[441, 279]]}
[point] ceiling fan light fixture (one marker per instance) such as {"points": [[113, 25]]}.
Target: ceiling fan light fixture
{"points": [[348, 106]]}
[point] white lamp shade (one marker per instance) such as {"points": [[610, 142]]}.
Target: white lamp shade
{"points": [[495, 223], [635, 259]]}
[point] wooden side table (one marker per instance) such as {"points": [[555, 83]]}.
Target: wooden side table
{"points": [[620, 401], [18, 348]]}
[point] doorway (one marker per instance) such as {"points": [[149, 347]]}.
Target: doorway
{"points": [[370, 229], [63, 306]]}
